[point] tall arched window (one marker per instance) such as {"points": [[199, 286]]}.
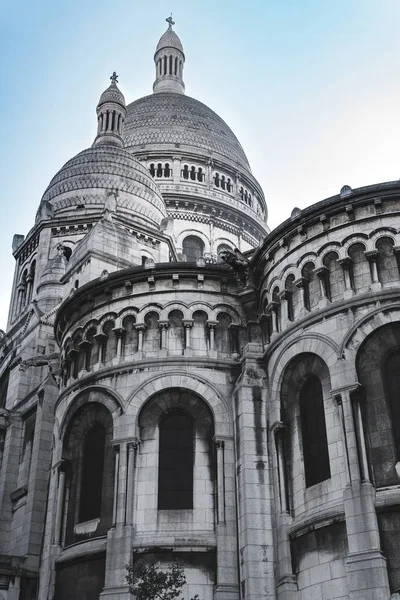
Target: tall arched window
{"points": [[386, 261], [313, 432], [335, 279], [291, 290], [360, 271], [312, 290], [175, 463], [193, 248], [392, 385], [92, 473]]}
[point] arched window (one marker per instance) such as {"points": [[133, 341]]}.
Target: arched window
{"points": [[360, 271], [388, 271], [159, 172], [200, 174], [176, 333], [199, 333], [167, 170], [91, 348], [170, 65], [216, 180], [165, 65], [335, 277], [222, 248], [223, 183], [175, 463], [193, 173], [152, 170], [392, 385], [110, 342], [152, 339], [312, 289], [185, 172], [313, 432], [31, 281], [222, 334], [193, 248], [130, 336], [228, 185], [176, 65], [291, 290], [92, 473]]}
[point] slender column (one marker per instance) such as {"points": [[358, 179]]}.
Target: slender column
{"points": [[188, 324], [212, 325], [322, 274], [116, 482], [130, 481], [84, 346], [349, 434], [220, 450], [300, 284], [273, 309], [140, 329], [163, 325], [345, 263], [284, 297], [118, 332], [29, 283], [362, 448], [279, 431], [60, 501], [372, 255], [101, 337]]}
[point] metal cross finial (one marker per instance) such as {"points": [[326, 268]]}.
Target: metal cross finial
{"points": [[114, 78], [170, 22]]}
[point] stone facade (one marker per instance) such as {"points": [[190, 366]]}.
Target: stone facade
{"points": [[166, 397]]}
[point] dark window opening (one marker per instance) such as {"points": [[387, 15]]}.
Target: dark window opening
{"points": [[200, 174], [216, 180], [193, 248], [175, 474], [392, 384], [92, 473], [313, 432], [185, 172], [152, 170], [193, 173], [167, 170], [159, 171], [170, 65]]}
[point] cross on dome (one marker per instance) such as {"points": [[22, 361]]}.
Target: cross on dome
{"points": [[114, 78], [170, 22]]}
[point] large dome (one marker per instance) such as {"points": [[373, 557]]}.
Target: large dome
{"points": [[88, 179], [167, 121]]}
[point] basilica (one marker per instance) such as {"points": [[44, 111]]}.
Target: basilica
{"points": [[178, 383]]}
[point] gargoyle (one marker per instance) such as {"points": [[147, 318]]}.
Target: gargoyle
{"points": [[238, 263], [40, 360]]}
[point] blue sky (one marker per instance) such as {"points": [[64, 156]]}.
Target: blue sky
{"points": [[311, 88]]}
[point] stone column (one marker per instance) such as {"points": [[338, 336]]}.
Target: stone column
{"points": [[362, 447], [286, 580], [140, 329], [301, 285], [273, 308], [118, 331], [130, 483], [323, 277], [220, 448], [372, 256], [367, 576], [284, 298], [60, 501], [116, 449], [212, 326], [163, 325], [100, 338], [188, 324], [345, 263], [255, 521], [176, 174], [227, 586]]}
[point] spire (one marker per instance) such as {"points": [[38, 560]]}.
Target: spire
{"points": [[111, 113], [169, 60]]}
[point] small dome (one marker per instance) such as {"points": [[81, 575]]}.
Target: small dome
{"points": [[86, 181], [112, 94], [169, 39]]}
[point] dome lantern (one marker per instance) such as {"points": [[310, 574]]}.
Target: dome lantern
{"points": [[169, 60], [111, 113]]}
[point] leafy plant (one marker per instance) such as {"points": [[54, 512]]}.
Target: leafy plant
{"points": [[150, 582]]}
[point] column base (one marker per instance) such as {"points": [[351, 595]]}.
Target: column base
{"points": [[225, 591], [367, 577], [120, 592], [287, 588]]}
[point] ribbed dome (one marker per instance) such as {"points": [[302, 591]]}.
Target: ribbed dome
{"points": [[167, 121], [169, 40], [88, 179], [112, 94]]}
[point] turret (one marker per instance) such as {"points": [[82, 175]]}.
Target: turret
{"points": [[169, 60], [111, 113]]}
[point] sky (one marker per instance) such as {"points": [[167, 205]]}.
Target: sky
{"points": [[310, 87]]}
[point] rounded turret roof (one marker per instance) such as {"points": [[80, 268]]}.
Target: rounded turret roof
{"points": [[169, 39], [168, 121], [88, 179], [112, 94]]}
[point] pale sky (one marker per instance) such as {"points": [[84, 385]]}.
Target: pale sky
{"points": [[311, 88]]}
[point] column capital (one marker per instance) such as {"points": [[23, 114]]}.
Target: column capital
{"points": [[219, 440], [272, 306], [299, 283], [116, 448], [345, 262], [321, 271], [140, 326], [163, 324], [118, 331], [100, 336], [188, 322], [284, 294], [133, 444], [348, 389], [277, 427], [371, 254], [212, 323]]}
